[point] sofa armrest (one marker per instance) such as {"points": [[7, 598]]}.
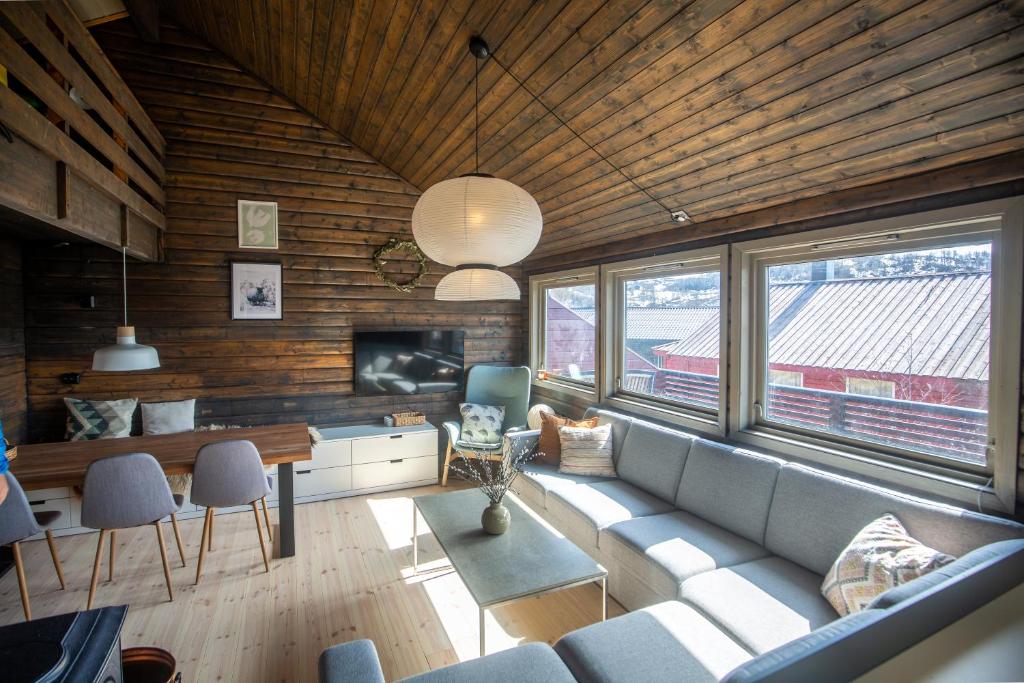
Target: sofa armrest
{"points": [[519, 440], [352, 662]]}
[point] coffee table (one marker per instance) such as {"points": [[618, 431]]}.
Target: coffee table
{"points": [[529, 559]]}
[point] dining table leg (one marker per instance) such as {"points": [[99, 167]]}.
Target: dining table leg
{"points": [[286, 508]]}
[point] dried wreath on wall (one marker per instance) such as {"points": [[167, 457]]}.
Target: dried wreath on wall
{"points": [[380, 259]]}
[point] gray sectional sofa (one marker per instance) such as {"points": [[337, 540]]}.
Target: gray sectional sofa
{"points": [[720, 553]]}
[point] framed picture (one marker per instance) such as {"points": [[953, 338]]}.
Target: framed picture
{"points": [[257, 224], [256, 291]]}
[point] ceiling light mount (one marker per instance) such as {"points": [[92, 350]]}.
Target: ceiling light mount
{"points": [[680, 216], [479, 48]]}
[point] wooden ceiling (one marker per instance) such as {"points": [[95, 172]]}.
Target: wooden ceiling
{"points": [[716, 107]]}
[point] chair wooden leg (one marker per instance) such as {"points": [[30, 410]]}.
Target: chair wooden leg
{"points": [[56, 559], [202, 543], [96, 568], [259, 530], [163, 558], [22, 582], [447, 461], [266, 518], [177, 538], [209, 539], [113, 548]]}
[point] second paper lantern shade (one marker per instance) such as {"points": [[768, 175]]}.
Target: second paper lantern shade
{"points": [[476, 220]]}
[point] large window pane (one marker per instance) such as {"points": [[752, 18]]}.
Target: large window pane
{"points": [[671, 338], [569, 334], [891, 349]]}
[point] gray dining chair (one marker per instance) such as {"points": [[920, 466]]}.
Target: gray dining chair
{"points": [[229, 473], [18, 522], [125, 491]]}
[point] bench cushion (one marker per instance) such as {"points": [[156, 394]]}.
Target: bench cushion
{"points": [[668, 642], [762, 604], [608, 502], [814, 515], [652, 458], [729, 486], [679, 545], [530, 663]]}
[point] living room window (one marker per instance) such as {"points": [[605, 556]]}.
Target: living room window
{"points": [[564, 318], [904, 332], [665, 334]]}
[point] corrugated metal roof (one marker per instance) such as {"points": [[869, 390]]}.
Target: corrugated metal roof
{"points": [[927, 325], [661, 322]]}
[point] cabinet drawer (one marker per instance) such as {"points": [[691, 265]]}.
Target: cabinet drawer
{"points": [[316, 482], [332, 454], [48, 494], [394, 447], [394, 472], [63, 505]]}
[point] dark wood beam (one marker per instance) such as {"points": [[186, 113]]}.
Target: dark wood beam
{"points": [[145, 15]]}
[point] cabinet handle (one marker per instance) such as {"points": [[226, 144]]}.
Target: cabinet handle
{"points": [[37, 502], [306, 472], [395, 461], [396, 436]]}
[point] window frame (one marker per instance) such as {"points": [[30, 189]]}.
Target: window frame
{"points": [[1002, 222], [539, 286], [614, 277]]}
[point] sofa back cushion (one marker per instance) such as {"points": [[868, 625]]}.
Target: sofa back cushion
{"points": [[814, 515], [620, 426], [729, 487], [652, 458]]}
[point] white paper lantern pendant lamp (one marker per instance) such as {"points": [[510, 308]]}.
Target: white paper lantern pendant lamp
{"points": [[125, 355], [476, 223]]}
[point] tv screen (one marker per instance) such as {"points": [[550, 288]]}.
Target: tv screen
{"points": [[408, 362]]}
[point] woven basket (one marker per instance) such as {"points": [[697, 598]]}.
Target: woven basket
{"points": [[407, 419]]}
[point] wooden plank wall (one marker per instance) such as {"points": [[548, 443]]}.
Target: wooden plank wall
{"points": [[230, 137], [12, 342]]}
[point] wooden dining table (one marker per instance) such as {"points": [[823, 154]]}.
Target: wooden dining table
{"points": [[50, 465]]}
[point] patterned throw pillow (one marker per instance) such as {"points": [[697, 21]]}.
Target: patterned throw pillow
{"points": [[99, 419], [549, 445], [481, 425], [586, 451], [881, 556]]}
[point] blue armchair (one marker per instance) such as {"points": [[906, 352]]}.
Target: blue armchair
{"points": [[491, 385]]}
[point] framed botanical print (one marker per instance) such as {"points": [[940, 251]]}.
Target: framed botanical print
{"points": [[257, 224], [256, 291]]}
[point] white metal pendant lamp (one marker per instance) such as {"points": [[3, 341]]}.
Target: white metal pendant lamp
{"points": [[476, 223], [125, 355]]}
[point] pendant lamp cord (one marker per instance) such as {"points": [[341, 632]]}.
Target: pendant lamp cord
{"points": [[124, 281], [476, 114]]}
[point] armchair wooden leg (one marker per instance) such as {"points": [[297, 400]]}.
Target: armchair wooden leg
{"points": [[202, 543], [56, 559], [177, 538], [266, 518], [209, 539], [447, 461], [259, 530], [22, 582], [96, 568], [113, 548], [163, 558]]}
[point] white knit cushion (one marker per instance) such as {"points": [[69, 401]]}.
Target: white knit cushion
{"points": [[586, 451], [171, 417], [881, 556]]}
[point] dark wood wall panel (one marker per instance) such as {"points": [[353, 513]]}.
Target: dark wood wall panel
{"points": [[230, 137], [12, 342], [718, 107]]}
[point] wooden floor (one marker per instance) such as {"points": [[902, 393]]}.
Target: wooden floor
{"points": [[352, 578]]}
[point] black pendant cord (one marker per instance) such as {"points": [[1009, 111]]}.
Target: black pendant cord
{"points": [[476, 114], [562, 121]]}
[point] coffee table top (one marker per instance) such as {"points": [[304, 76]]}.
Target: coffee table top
{"points": [[527, 559]]}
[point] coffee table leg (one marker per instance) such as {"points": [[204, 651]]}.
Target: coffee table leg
{"points": [[483, 647], [415, 544], [604, 598]]}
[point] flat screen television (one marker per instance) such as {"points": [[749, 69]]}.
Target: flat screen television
{"points": [[406, 362]]}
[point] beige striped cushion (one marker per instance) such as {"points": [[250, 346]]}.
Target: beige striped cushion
{"points": [[586, 450]]}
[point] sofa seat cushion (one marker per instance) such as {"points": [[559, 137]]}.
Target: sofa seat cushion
{"points": [[605, 503], [546, 478], [666, 642], [762, 604], [530, 663], [675, 546]]}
